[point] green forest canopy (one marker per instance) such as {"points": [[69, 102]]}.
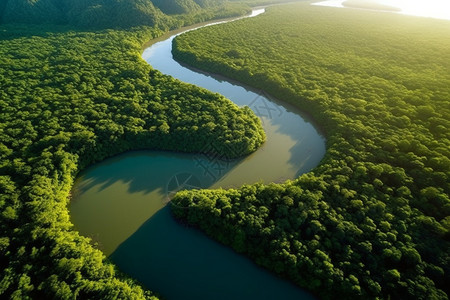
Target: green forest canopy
{"points": [[373, 220], [67, 100], [70, 98], [90, 14]]}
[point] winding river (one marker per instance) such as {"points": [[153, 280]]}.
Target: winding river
{"points": [[121, 202]]}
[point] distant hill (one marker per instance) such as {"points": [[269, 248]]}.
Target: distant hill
{"points": [[99, 13], [85, 13], [24, 11], [176, 6]]}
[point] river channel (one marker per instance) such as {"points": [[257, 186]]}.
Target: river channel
{"points": [[121, 203]]}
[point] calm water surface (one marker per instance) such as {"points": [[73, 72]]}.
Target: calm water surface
{"points": [[121, 203]]}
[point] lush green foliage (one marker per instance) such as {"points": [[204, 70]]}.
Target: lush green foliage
{"points": [[98, 13], [263, 2], [69, 99], [183, 6], [373, 219], [117, 13], [164, 14]]}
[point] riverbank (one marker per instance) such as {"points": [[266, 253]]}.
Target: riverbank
{"points": [[345, 66], [146, 179]]}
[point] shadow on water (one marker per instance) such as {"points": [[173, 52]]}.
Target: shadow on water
{"points": [[288, 119], [121, 202], [112, 199], [182, 263], [293, 131], [147, 171]]}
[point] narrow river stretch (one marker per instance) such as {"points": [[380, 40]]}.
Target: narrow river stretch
{"points": [[121, 203]]}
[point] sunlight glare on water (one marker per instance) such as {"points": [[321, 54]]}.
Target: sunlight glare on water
{"points": [[425, 8], [439, 9]]}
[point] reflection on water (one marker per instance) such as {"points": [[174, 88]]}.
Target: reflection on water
{"points": [[121, 202], [182, 263], [114, 198], [438, 9], [293, 144]]}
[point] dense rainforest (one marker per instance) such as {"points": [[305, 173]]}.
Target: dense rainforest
{"points": [[70, 97], [96, 14], [373, 219]]}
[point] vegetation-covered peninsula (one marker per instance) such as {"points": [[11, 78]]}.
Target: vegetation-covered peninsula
{"points": [[70, 97], [373, 220]]}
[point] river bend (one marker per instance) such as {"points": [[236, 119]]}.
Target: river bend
{"points": [[121, 202]]}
